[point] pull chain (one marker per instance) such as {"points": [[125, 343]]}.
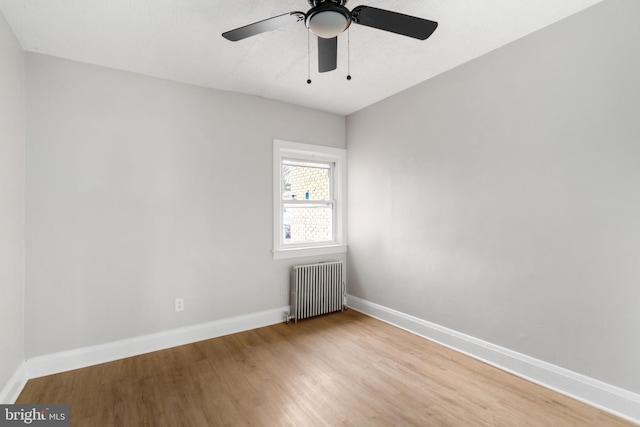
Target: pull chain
{"points": [[308, 59], [349, 54]]}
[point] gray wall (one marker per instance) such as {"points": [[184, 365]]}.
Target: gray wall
{"points": [[502, 199], [12, 170], [141, 190]]}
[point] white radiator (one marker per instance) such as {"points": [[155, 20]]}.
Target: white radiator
{"points": [[316, 289]]}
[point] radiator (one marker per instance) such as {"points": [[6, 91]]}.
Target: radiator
{"points": [[316, 289]]}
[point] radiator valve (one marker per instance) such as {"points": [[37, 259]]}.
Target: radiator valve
{"points": [[287, 317]]}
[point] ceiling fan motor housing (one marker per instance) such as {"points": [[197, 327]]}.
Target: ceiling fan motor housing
{"points": [[314, 3], [328, 18]]}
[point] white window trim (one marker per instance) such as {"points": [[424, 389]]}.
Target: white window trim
{"points": [[317, 153]]}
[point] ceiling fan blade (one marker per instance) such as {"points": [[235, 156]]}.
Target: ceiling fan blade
{"points": [[327, 54], [263, 26], [394, 22]]}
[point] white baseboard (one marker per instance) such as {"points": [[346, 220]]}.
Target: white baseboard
{"points": [[88, 356], [620, 402], [14, 386]]}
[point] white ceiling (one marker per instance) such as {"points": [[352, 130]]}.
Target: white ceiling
{"points": [[180, 40]]}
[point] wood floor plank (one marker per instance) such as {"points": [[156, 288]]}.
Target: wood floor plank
{"points": [[343, 369]]}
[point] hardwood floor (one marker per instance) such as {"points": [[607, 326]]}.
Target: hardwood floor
{"points": [[340, 369]]}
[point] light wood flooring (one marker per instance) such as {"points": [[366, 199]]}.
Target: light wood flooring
{"points": [[342, 369]]}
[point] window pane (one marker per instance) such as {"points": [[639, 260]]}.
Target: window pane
{"points": [[306, 181], [307, 224]]}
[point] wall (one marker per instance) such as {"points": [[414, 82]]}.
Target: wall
{"points": [[140, 191], [12, 170], [501, 199]]}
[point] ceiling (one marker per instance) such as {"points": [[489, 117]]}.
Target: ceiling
{"points": [[181, 40]]}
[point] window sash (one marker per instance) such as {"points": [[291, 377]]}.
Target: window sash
{"points": [[302, 227], [330, 166], [310, 204]]}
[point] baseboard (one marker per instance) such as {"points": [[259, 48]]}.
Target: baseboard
{"points": [[14, 386], [88, 356], [620, 402]]}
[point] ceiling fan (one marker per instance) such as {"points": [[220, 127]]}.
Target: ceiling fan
{"points": [[329, 18]]}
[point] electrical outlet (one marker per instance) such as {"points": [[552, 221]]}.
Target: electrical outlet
{"points": [[179, 304]]}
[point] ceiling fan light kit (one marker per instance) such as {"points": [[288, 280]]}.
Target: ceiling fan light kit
{"points": [[327, 19]]}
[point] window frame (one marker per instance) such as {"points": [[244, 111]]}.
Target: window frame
{"points": [[329, 203], [299, 152]]}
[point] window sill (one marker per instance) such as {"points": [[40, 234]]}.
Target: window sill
{"points": [[305, 252]]}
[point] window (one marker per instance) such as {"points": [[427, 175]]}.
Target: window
{"points": [[309, 199]]}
